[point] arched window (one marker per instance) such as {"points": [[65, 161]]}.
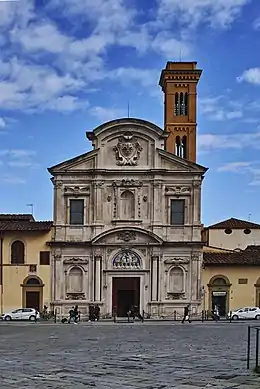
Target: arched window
{"points": [[127, 259], [186, 101], [75, 284], [17, 252], [182, 104], [178, 146], [176, 105], [219, 282], [176, 280], [33, 281], [127, 205], [184, 147]]}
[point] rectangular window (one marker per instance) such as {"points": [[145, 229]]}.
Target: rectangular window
{"points": [[76, 211], [242, 281], [177, 212], [44, 257]]}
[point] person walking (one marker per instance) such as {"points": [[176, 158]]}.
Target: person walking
{"points": [[76, 314], [97, 312], [186, 315], [71, 314]]}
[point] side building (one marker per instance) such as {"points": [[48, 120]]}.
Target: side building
{"points": [[24, 262], [127, 215], [232, 234], [231, 279]]}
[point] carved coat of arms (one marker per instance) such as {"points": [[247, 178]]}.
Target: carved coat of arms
{"points": [[127, 150]]}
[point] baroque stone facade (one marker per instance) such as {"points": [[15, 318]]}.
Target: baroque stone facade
{"points": [[127, 224]]}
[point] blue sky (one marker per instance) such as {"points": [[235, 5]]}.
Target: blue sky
{"points": [[66, 66]]}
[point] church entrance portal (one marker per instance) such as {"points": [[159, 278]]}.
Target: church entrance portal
{"points": [[126, 292]]}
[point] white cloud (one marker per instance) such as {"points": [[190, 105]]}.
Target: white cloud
{"points": [[234, 167], [170, 47], [106, 114], [22, 164], [211, 142], [256, 24], [19, 158], [251, 169], [18, 12], [217, 13], [2, 123], [220, 108], [34, 86], [40, 37], [13, 180], [145, 77], [17, 153], [77, 57], [252, 76]]}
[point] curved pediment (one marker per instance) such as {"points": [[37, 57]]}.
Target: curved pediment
{"points": [[127, 235]]}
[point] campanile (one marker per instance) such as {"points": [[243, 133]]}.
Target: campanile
{"points": [[179, 83]]}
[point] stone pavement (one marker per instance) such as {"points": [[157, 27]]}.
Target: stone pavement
{"points": [[125, 356]]}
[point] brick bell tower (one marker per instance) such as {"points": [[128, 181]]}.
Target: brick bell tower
{"points": [[179, 83]]}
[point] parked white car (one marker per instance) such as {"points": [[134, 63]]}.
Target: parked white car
{"points": [[21, 314], [245, 313]]}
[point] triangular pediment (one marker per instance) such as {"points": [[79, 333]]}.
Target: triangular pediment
{"points": [[82, 162], [173, 163]]}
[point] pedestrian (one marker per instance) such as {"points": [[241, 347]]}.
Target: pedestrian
{"points": [[136, 313], [186, 315], [91, 313], [76, 314], [71, 314], [97, 312]]}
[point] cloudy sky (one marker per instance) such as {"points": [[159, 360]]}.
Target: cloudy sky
{"points": [[68, 65]]}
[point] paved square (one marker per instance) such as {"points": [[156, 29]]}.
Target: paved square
{"points": [[125, 356]]}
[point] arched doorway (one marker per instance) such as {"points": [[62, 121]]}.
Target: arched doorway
{"points": [[257, 293], [219, 287], [32, 293]]}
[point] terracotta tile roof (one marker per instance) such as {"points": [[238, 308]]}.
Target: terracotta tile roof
{"points": [[22, 222], [234, 223], [15, 216], [248, 257]]}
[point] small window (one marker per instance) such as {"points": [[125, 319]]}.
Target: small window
{"points": [[27, 310], [177, 212], [228, 231], [32, 268], [252, 309], [242, 281], [77, 212], [44, 257], [247, 231]]}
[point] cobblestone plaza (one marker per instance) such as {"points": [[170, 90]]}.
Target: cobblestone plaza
{"points": [[125, 356]]}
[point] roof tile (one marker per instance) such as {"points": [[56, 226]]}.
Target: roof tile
{"points": [[248, 257], [22, 222], [234, 223]]}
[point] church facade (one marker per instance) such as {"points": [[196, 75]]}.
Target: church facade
{"points": [[127, 215]]}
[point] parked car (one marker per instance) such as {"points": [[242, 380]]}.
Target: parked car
{"points": [[21, 314], [245, 313]]}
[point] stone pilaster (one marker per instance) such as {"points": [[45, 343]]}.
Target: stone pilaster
{"points": [[57, 277], [155, 278], [59, 204], [98, 201], [157, 204], [196, 202], [97, 277]]}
